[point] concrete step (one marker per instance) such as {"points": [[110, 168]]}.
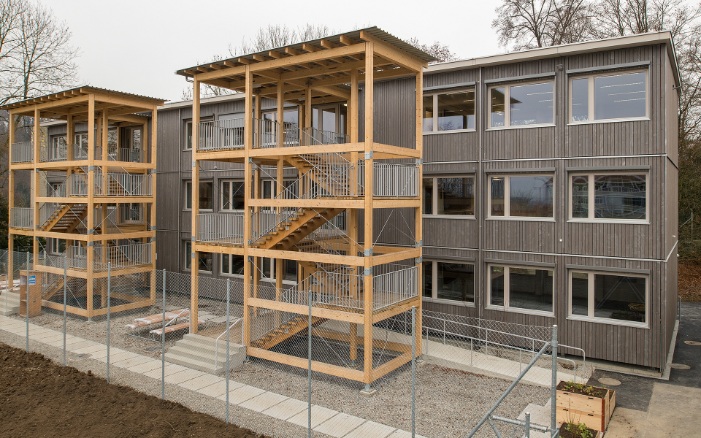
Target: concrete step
{"points": [[199, 353], [9, 303]]}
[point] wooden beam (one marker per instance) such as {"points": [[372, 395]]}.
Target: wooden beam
{"points": [[194, 188], [368, 215], [321, 367], [320, 312], [392, 54], [309, 57]]}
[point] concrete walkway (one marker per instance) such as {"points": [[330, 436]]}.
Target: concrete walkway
{"points": [[324, 420]]}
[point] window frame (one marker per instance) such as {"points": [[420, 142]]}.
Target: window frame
{"points": [[591, 101], [434, 282], [507, 108], [507, 197], [270, 279], [434, 205], [187, 145], [591, 197], [77, 149], [231, 182], [188, 257], [434, 95], [188, 196], [591, 295], [507, 292]]}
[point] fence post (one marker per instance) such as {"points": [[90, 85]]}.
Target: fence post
{"points": [[65, 303], [309, 368], [26, 309], [109, 292], [228, 296], [413, 372], [163, 341], [553, 384], [528, 425]]}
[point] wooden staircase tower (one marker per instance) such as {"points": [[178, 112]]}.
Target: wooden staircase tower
{"points": [[336, 174]]}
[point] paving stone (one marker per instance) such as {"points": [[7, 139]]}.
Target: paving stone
{"points": [[241, 394], [263, 401], [286, 409], [200, 382], [319, 415], [182, 376], [370, 428], [146, 367], [339, 425]]}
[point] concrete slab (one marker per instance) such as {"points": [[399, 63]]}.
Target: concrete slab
{"points": [[319, 415], [626, 423], [286, 409], [120, 356], [128, 363], [147, 367], [339, 425], [200, 382], [169, 370], [403, 434], [90, 349], [370, 428], [241, 394], [263, 401], [182, 376], [217, 389]]}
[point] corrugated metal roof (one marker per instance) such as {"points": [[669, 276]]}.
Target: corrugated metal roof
{"points": [[79, 91], [253, 58]]}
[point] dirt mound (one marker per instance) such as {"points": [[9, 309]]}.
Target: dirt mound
{"points": [[690, 281], [42, 399]]}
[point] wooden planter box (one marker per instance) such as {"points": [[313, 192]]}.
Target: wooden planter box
{"points": [[593, 410]]}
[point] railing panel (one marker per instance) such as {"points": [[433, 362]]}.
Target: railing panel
{"points": [[223, 134], [124, 184], [22, 152], [22, 218], [220, 227]]}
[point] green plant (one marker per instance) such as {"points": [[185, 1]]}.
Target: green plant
{"points": [[578, 387], [580, 430]]}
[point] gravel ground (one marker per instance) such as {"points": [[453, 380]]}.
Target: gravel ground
{"points": [[449, 402]]}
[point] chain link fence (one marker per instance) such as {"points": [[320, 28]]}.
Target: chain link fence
{"points": [[465, 369]]}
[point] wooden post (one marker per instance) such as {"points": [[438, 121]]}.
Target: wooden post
{"points": [[35, 183], [368, 204], [91, 206], [11, 201], [279, 268], [102, 125], [194, 186], [352, 214], [418, 217], [152, 205], [280, 115], [248, 143]]}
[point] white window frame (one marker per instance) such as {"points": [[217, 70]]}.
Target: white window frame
{"points": [[187, 145], [188, 256], [591, 295], [591, 198], [270, 279], [77, 155], [434, 283], [434, 206], [434, 95], [591, 102], [507, 197], [507, 106], [507, 290], [187, 194], [221, 195], [56, 146]]}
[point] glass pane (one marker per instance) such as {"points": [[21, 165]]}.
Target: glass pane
{"points": [[329, 122], [290, 270], [497, 196], [136, 139], [267, 268], [188, 135], [531, 289], [496, 107], [620, 196], [531, 104], [580, 100], [428, 195], [456, 281], [225, 264], [205, 261], [237, 195], [187, 255], [619, 297], [619, 96], [456, 111], [580, 196], [456, 196], [579, 293], [428, 279], [291, 127], [206, 201], [226, 195], [496, 275], [428, 113], [237, 265], [531, 196], [188, 195]]}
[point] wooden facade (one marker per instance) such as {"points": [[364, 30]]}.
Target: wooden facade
{"points": [[646, 145], [84, 180]]}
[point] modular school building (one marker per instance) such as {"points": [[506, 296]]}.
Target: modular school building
{"points": [[549, 188]]}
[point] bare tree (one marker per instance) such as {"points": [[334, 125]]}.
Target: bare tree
{"points": [[438, 50]]}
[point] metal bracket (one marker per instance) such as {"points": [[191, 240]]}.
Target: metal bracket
{"points": [[419, 244], [419, 260], [152, 228], [91, 168], [368, 155], [250, 241], [153, 239], [367, 271], [419, 161], [194, 163], [250, 259], [91, 231], [91, 244], [250, 160], [367, 252]]}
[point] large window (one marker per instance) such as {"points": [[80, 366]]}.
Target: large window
{"points": [[449, 281], [231, 196], [188, 135], [449, 196], [521, 288], [449, 111], [521, 196], [608, 97], [58, 148], [521, 105], [605, 296], [608, 196], [80, 146], [206, 195], [204, 261]]}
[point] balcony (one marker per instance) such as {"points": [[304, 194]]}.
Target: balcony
{"points": [[22, 152], [221, 228], [119, 257], [22, 218]]}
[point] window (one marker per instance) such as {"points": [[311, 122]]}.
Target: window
{"points": [[449, 196], [449, 111], [605, 296], [231, 196], [521, 196], [80, 146], [290, 126], [449, 281], [55, 246], [130, 212], [204, 259], [58, 148], [188, 135], [520, 288], [206, 195], [528, 104], [608, 97], [234, 264], [608, 197]]}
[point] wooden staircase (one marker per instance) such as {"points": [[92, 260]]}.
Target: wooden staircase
{"points": [[326, 180], [290, 232], [286, 331], [53, 289], [66, 218]]}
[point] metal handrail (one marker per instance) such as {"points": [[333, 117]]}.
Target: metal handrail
{"points": [[216, 341]]}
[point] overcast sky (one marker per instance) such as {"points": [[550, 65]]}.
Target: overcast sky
{"points": [[137, 45]]}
